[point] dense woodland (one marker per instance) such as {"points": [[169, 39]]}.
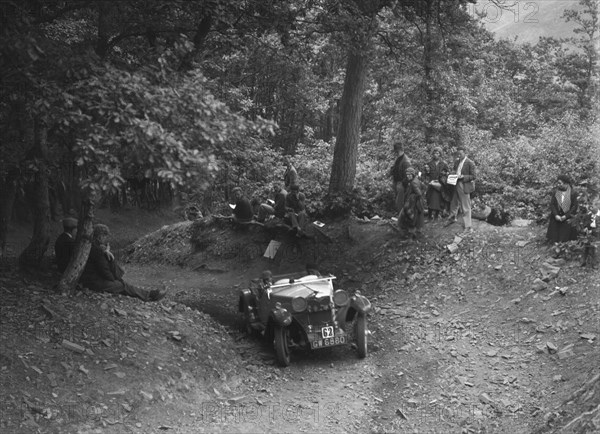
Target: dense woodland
{"points": [[147, 103]]}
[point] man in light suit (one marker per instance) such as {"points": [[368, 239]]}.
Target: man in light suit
{"points": [[465, 169]]}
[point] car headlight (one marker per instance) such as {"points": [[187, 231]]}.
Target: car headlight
{"points": [[282, 316], [341, 297], [299, 304]]}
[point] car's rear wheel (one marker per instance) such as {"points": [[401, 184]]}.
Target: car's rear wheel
{"points": [[282, 349], [360, 331]]}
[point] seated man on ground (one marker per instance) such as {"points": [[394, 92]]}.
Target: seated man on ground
{"points": [[295, 205], [242, 213], [64, 247], [102, 274], [277, 208]]}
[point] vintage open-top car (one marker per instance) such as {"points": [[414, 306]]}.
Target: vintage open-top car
{"points": [[305, 312]]}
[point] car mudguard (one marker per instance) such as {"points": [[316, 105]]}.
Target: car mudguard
{"points": [[281, 316], [360, 303]]}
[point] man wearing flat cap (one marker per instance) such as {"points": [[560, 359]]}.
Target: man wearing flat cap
{"points": [[102, 274], [242, 213], [398, 173], [64, 247], [464, 168]]}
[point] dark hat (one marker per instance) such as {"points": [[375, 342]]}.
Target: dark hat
{"points": [[565, 178], [69, 223], [295, 187], [266, 275], [236, 189]]}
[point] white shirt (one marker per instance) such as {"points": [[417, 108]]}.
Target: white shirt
{"points": [[460, 166]]}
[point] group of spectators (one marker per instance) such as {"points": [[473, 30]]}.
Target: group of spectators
{"points": [[287, 208], [435, 191]]}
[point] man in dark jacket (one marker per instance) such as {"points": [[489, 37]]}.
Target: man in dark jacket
{"points": [[242, 213], [64, 247], [104, 275], [276, 208], [290, 177], [296, 208], [464, 168], [399, 174]]}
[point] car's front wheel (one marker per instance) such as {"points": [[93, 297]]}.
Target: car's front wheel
{"points": [[360, 331], [282, 349]]}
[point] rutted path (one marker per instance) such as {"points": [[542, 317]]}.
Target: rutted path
{"points": [[327, 391], [460, 343]]}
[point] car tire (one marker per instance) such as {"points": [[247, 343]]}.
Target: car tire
{"points": [[282, 349], [360, 331]]}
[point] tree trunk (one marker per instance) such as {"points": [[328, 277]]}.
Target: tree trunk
{"points": [[343, 170], [33, 254], [427, 76], [201, 33], [75, 268], [103, 33], [8, 192]]}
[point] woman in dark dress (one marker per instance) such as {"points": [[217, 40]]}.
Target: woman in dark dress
{"points": [[412, 215], [563, 206], [435, 202]]}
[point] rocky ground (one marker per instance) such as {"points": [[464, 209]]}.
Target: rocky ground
{"points": [[463, 337]]}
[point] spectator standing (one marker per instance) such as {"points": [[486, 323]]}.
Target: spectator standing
{"points": [[447, 191], [398, 173], [64, 246], [563, 206], [435, 202], [464, 168], [412, 215], [290, 177]]}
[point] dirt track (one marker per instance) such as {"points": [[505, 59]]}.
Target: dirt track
{"points": [[455, 338], [460, 343]]}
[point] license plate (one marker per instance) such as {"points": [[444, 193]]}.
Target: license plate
{"points": [[328, 342], [327, 332]]}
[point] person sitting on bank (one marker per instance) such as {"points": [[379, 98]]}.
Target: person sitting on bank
{"points": [[102, 274], [296, 209], [242, 213], [64, 246], [276, 209]]}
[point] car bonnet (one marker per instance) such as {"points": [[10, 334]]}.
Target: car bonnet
{"points": [[304, 287]]}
